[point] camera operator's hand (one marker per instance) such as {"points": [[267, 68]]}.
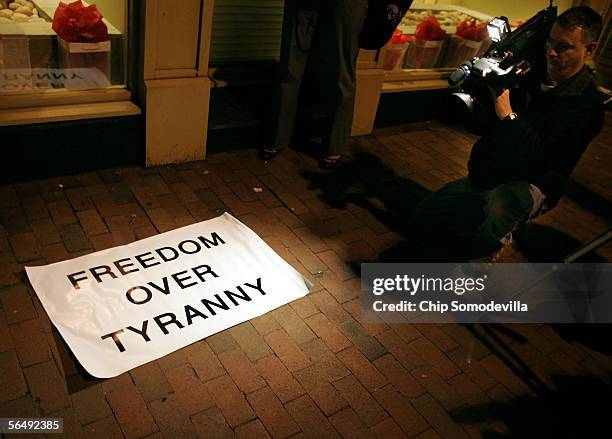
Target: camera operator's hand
{"points": [[502, 105]]}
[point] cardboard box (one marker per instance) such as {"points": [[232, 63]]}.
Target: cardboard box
{"points": [[460, 50], [14, 49], [392, 56], [37, 45], [100, 47], [86, 55], [423, 54], [41, 40]]}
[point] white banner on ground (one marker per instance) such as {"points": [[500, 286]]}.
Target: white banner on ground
{"points": [[128, 305]]}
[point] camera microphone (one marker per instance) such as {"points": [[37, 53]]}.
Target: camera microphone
{"points": [[460, 74]]}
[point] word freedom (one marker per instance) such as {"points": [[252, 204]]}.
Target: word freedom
{"points": [[125, 266]]}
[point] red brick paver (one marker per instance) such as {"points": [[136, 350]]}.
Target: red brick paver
{"points": [[310, 368]]}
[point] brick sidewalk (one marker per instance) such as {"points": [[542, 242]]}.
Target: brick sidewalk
{"points": [[310, 368]]}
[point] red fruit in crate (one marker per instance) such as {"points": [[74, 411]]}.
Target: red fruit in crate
{"points": [[397, 37], [430, 30], [76, 23], [469, 30], [92, 28]]}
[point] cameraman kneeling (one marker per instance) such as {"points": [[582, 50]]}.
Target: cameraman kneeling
{"points": [[522, 167]]}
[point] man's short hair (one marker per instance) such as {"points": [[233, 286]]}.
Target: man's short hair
{"points": [[584, 17]]}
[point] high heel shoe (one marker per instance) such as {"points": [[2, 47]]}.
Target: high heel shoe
{"points": [[268, 153], [330, 163]]}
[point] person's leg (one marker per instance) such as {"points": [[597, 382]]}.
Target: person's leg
{"points": [[453, 209], [476, 224], [293, 63], [507, 208], [440, 221], [339, 47]]}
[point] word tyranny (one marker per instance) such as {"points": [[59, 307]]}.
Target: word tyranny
{"points": [[208, 307]]}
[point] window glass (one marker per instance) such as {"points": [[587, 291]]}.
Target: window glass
{"points": [[77, 45]]}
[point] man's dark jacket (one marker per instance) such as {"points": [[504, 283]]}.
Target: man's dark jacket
{"points": [[543, 145]]}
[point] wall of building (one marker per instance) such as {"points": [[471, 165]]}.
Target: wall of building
{"points": [[115, 11], [515, 10]]}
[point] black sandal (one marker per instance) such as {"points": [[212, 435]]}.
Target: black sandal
{"points": [[268, 153], [329, 163]]}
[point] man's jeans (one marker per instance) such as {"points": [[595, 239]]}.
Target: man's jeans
{"points": [[482, 221]]}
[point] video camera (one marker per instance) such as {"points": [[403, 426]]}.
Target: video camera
{"points": [[513, 59]]}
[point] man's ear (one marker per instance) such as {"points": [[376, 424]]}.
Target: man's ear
{"points": [[590, 49]]}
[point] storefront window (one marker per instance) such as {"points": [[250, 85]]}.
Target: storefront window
{"points": [[47, 44]]}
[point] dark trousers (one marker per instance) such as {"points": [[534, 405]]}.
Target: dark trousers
{"points": [[481, 221], [333, 35]]}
